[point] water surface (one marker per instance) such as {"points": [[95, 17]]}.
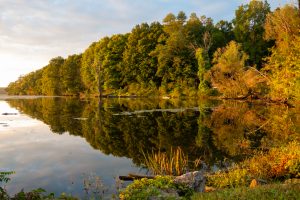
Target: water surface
{"points": [[60, 143]]}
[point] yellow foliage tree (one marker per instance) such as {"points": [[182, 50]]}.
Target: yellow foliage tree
{"points": [[283, 66], [230, 75]]}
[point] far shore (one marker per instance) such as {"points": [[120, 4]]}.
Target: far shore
{"points": [[5, 97]]}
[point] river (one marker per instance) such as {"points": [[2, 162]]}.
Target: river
{"points": [[81, 146]]}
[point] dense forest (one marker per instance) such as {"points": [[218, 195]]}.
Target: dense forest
{"points": [[256, 55]]}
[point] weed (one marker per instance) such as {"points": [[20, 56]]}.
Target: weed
{"points": [[174, 163]]}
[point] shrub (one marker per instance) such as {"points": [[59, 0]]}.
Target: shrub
{"points": [[234, 178], [278, 163], [146, 188]]}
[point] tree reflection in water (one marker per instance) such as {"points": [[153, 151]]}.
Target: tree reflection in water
{"points": [[211, 130]]}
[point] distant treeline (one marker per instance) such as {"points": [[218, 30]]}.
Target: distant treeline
{"points": [[255, 55]]}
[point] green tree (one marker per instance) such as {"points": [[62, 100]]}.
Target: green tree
{"points": [[88, 71], [203, 66], [249, 30], [222, 34], [111, 57], [70, 76], [102, 65], [51, 79], [194, 30], [139, 64], [176, 62], [97, 65]]}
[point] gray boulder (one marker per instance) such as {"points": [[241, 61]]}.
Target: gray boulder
{"points": [[194, 180]]}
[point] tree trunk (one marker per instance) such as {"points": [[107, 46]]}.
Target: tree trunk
{"points": [[132, 177], [100, 86], [98, 70]]}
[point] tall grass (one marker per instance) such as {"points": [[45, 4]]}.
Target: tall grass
{"points": [[173, 163]]}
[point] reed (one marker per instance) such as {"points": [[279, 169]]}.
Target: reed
{"points": [[173, 163]]}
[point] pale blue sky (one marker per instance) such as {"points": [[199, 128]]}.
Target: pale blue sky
{"points": [[34, 31]]}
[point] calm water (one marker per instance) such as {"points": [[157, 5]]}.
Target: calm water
{"points": [[61, 143]]}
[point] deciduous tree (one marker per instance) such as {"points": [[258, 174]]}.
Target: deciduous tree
{"points": [[249, 30]]}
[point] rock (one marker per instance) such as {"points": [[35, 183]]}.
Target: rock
{"points": [[209, 189], [194, 180], [256, 182]]}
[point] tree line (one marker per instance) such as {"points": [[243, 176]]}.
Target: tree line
{"points": [[255, 55]]}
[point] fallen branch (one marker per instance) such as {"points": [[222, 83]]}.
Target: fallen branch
{"points": [[132, 177]]}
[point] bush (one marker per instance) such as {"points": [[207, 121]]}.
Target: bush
{"points": [[278, 163], [234, 178], [281, 162], [159, 187]]}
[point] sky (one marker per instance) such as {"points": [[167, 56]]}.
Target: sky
{"points": [[34, 31]]}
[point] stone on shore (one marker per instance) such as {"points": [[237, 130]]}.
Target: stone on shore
{"points": [[194, 180]]}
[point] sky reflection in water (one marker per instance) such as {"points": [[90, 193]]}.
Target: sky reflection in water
{"points": [[74, 138], [57, 163]]}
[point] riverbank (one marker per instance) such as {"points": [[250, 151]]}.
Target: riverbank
{"points": [[266, 192], [271, 175], [267, 175]]}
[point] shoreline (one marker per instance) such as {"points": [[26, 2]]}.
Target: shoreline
{"points": [[258, 101]]}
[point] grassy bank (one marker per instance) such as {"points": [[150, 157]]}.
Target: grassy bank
{"points": [[276, 165], [272, 191], [279, 168], [273, 167]]}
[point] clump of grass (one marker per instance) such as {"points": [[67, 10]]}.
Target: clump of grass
{"points": [[278, 163], [174, 163], [233, 178], [161, 187], [272, 191]]}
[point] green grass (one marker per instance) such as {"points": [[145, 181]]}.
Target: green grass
{"points": [[273, 191]]}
